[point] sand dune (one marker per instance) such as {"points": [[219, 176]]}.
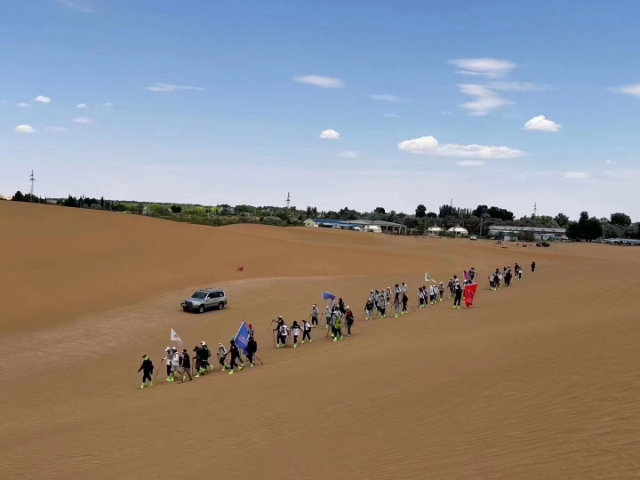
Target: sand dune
{"points": [[537, 381]]}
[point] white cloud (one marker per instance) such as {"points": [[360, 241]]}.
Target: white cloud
{"points": [[430, 146], [609, 162], [55, 129], [330, 135], [347, 154], [80, 5], [471, 163], [82, 120], [23, 105], [42, 99], [25, 129], [517, 86], [392, 115], [542, 124], [82, 105], [486, 99], [486, 67], [633, 90], [384, 97], [108, 104], [165, 87], [575, 175], [320, 81]]}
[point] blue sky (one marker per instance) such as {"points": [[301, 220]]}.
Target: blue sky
{"points": [[497, 102]]}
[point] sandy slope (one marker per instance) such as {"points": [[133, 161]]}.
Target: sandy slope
{"points": [[536, 381]]}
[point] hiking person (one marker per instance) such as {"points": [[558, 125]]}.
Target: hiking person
{"points": [[498, 279], [387, 295], [283, 334], [147, 371], [382, 306], [196, 360], [250, 331], [337, 327], [175, 362], [458, 292], [397, 305], [368, 309], [206, 355], [295, 330], [252, 348], [432, 295], [306, 331], [314, 316], [222, 355], [167, 360], [397, 292], [348, 316], [421, 297], [405, 301], [450, 287], [472, 273], [327, 317], [234, 353], [185, 366], [341, 306], [533, 268], [441, 290], [405, 289]]}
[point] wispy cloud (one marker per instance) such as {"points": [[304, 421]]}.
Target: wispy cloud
{"points": [[320, 81], [486, 99], [107, 104], [165, 87], [517, 86], [23, 105], [42, 99], [347, 154], [486, 67], [82, 120], [384, 97], [55, 129], [25, 129], [633, 90], [80, 5], [575, 175], [542, 124], [330, 135], [428, 145], [82, 105], [392, 115], [471, 163]]}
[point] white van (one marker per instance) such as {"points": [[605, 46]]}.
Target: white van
{"points": [[373, 229]]}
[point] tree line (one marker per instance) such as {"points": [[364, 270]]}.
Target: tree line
{"points": [[476, 220]]}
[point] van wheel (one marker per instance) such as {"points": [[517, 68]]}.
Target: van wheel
{"points": [[220, 306], [201, 309]]}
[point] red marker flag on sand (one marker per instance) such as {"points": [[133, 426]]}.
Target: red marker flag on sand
{"points": [[240, 269], [469, 293], [175, 337]]}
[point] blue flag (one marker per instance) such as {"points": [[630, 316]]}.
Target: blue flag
{"points": [[242, 337], [327, 296]]}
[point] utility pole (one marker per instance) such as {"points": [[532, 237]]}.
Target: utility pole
{"points": [[32, 180], [535, 209], [288, 201]]}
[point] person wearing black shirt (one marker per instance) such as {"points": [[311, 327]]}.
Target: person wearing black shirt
{"points": [[252, 348], [234, 352], [185, 365], [349, 320], [147, 371], [533, 268], [405, 300], [457, 292]]}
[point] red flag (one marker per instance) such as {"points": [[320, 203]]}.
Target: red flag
{"points": [[240, 269], [469, 293]]}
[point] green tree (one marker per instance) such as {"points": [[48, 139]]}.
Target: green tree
{"points": [[18, 197], [621, 219], [102, 202], [421, 211], [175, 208], [562, 220], [573, 231], [380, 210]]}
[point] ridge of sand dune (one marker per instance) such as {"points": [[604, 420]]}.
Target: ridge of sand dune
{"points": [[537, 381]]}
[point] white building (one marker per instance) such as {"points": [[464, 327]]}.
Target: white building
{"points": [[434, 231], [458, 231]]}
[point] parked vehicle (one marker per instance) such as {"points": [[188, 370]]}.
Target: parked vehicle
{"points": [[373, 229], [473, 237], [205, 299]]}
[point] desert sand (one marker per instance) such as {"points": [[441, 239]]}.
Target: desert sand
{"points": [[537, 381]]}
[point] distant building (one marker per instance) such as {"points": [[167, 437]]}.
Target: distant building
{"points": [[539, 233], [434, 231], [458, 231], [376, 226]]}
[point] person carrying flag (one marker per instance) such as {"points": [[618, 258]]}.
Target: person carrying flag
{"points": [[147, 371], [175, 362]]}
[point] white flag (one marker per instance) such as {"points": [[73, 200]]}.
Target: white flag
{"points": [[175, 337]]}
